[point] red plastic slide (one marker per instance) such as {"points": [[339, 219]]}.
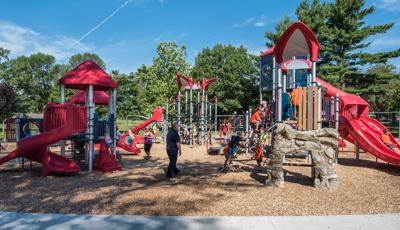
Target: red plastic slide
{"points": [[60, 121], [356, 127], [156, 117]]}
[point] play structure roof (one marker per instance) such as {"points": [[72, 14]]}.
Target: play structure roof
{"points": [[268, 51], [298, 40], [208, 82], [99, 98], [88, 73], [184, 81]]}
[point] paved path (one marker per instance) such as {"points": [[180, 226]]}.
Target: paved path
{"points": [[12, 220]]}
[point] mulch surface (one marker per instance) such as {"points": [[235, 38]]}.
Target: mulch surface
{"points": [[201, 189]]}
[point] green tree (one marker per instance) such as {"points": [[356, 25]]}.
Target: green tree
{"points": [[8, 101], [280, 28], [237, 70], [4, 55], [59, 70], [77, 59], [127, 95], [380, 87], [159, 79], [33, 79]]}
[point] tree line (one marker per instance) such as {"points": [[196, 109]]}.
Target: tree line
{"points": [[27, 83]]}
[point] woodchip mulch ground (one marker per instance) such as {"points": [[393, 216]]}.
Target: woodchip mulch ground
{"points": [[201, 189]]}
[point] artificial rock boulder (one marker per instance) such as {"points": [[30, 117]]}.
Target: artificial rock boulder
{"points": [[321, 144]]}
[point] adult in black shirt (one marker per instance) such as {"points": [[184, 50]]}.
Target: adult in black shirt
{"points": [[173, 147]]}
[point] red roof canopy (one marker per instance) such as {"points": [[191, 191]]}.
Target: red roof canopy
{"points": [[268, 51], [184, 81], [88, 73], [99, 98], [297, 40], [208, 82]]}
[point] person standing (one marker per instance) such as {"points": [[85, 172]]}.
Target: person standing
{"points": [[148, 142], [173, 148]]}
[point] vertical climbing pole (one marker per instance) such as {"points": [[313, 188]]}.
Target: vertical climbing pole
{"points": [[284, 81], [62, 102], [206, 113], [198, 107], [279, 96], [337, 112], [114, 125], [109, 112], [191, 116], [174, 113], [314, 74], [215, 116], [166, 121], [202, 118], [319, 106], [178, 102], [332, 112], [246, 125], [91, 117], [186, 107], [315, 102]]}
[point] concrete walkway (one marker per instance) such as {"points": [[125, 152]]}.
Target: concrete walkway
{"points": [[12, 220]]}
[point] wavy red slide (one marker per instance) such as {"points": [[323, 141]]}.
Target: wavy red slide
{"points": [[356, 126], [35, 148], [156, 117]]}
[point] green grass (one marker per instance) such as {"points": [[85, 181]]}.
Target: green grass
{"points": [[1, 132]]}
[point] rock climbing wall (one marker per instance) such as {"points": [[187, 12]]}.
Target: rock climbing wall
{"points": [[321, 144]]}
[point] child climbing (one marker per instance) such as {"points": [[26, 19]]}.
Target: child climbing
{"points": [[148, 142], [262, 141], [233, 147], [255, 120]]}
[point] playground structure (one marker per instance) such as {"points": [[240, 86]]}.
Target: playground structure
{"points": [[76, 123], [201, 114], [290, 68]]}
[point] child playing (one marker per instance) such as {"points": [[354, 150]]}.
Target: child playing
{"points": [[129, 139], [386, 139], [148, 142], [232, 149], [259, 149]]}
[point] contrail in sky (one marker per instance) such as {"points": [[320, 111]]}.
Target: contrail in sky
{"points": [[101, 23]]}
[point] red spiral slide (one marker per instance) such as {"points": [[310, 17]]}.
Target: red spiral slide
{"points": [[60, 121], [356, 127]]}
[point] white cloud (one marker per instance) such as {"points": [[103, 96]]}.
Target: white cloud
{"points": [[389, 5], [253, 21], [386, 42], [24, 41]]}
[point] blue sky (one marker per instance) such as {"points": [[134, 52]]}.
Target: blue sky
{"points": [[126, 33]]}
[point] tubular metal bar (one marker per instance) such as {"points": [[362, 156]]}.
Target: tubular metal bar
{"points": [[91, 117], [191, 117], [337, 112], [279, 96], [115, 121], [319, 107]]}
